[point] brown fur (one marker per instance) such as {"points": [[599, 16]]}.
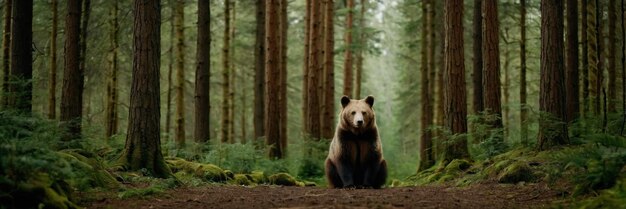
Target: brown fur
{"points": [[355, 157]]}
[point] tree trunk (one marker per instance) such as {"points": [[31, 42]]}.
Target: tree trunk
{"points": [[571, 77], [425, 149], [226, 75], [52, 80], [202, 104], [315, 56], [233, 74], [491, 60], [170, 68], [180, 73], [592, 55], [477, 76], [440, 91], [348, 79], [72, 95], [455, 105], [21, 56], [328, 117], [585, 58], [259, 70], [283, 26], [111, 108], [6, 49], [272, 78], [143, 143], [305, 77], [612, 88], [86, 12], [522, 77], [359, 53], [552, 128]]}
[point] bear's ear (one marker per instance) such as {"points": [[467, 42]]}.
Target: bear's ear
{"points": [[344, 101], [370, 100]]}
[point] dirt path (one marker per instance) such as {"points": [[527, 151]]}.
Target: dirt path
{"points": [[232, 197]]}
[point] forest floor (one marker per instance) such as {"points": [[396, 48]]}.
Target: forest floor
{"points": [[233, 197]]}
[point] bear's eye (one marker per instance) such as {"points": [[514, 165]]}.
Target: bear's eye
{"points": [[364, 113], [353, 112]]}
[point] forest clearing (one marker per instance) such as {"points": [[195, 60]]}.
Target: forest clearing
{"points": [[313, 104], [477, 196]]}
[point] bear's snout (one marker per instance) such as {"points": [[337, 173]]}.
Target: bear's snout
{"points": [[358, 120]]}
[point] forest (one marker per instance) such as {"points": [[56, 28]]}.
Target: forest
{"points": [[239, 103]]}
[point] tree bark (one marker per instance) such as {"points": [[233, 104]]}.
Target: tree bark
{"points": [[6, 49], [72, 95], [21, 56], [592, 56], [359, 52], [233, 74], [523, 105], [202, 103], [272, 78], [313, 128], [612, 86], [571, 77], [348, 78], [143, 142], [552, 127], [259, 70], [111, 108], [585, 58], [329, 72], [491, 61], [170, 68], [84, 29], [455, 105], [226, 75], [283, 26], [52, 80], [179, 24], [305, 77], [425, 149], [477, 75]]}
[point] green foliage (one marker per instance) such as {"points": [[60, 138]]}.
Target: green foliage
{"points": [[313, 159], [595, 165], [31, 165], [156, 186], [487, 141]]}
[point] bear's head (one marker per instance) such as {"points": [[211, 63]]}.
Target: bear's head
{"points": [[357, 115]]}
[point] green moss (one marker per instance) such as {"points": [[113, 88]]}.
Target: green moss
{"points": [[229, 174], [433, 177], [259, 177], [242, 179], [283, 179], [445, 178], [516, 172], [207, 172], [93, 172], [457, 166], [41, 190]]}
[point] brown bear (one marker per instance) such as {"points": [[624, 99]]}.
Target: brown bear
{"points": [[355, 157]]}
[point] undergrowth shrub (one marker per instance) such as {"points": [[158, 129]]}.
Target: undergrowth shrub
{"points": [[486, 140], [33, 166]]}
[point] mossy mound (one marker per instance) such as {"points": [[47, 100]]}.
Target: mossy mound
{"points": [[39, 191], [95, 175], [516, 172], [242, 179], [441, 172], [259, 177], [283, 179], [207, 172]]}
